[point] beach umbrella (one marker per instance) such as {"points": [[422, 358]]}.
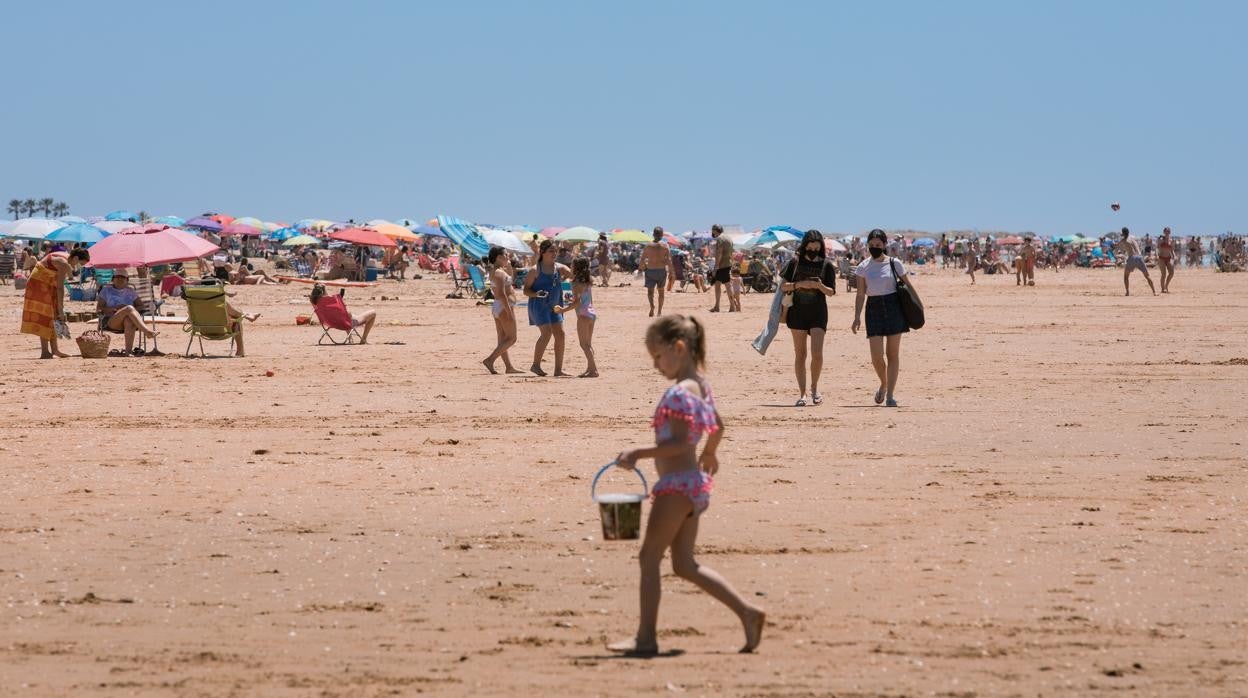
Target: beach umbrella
{"points": [[122, 215], [629, 236], [72, 219], [365, 237], [237, 228], [551, 231], [174, 221], [149, 245], [924, 242], [282, 234], [78, 232], [392, 231], [318, 225], [778, 235], [699, 235], [429, 231], [298, 240], [249, 221], [113, 226], [30, 228], [221, 218], [831, 245], [1010, 240], [506, 240], [465, 235], [203, 223], [578, 233]]}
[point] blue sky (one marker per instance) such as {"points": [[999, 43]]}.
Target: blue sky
{"points": [[841, 116]]}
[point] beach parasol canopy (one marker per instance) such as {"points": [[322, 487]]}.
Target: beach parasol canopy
{"points": [[1010, 240], [149, 245], [30, 228], [174, 221], [249, 221], [78, 232], [506, 240], [580, 233], [298, 240], [122, 215], [203, 223], [362, 236], [393, 231], [830, 245], [629, 236], [113, 226], [924, 242], [551, 231], [72, 219], [427, 231], [465, 235], [237, 228], [282, 234]]}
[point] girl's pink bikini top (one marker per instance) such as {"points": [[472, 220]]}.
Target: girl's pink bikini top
{"points": [[679, 403]]}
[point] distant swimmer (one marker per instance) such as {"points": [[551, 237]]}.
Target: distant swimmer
{"points": [[1128, 247]]}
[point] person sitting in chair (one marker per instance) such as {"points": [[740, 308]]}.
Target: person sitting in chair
{"points": [[365, 319], [116, 304]]}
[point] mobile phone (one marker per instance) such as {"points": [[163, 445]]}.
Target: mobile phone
{"points": [[542, 294]]}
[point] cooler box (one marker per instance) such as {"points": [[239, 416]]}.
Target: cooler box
{"points": [[371, 274]]}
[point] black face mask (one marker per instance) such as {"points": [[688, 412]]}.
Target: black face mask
{"points": [[876, 252], [812, 255]]}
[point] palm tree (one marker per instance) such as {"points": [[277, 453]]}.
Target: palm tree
{"points": [[15, 207], [60, 208], [30, 205], [46, 204], [143, 216]]}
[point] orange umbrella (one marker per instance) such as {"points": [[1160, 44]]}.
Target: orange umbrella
{"points": [[362, 236], [393, 231]]}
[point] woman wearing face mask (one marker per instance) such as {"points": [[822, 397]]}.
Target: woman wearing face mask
{"points": [[44, 302], [811, 279], [885, 322]]}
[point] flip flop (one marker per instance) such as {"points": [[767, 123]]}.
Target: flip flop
{"points": [[890, 403], [801, 402], [816, 398], [879, 396]]}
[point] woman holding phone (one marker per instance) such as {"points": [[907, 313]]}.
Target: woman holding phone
{"points": [[809, 279], [543, 286]]}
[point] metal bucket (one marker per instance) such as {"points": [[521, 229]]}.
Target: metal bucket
{"points": [[620, 513]]}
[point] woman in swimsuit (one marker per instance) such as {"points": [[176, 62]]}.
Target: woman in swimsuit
{"points": [[543, 287], [503, 309], [677, 344], [583, 303], [1165, 259]]}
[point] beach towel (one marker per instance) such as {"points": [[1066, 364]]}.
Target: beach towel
{"points": [[39, 307], [763, 340]]}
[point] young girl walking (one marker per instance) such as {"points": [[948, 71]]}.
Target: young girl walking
{"points": [[583, 303], [677, 344]]}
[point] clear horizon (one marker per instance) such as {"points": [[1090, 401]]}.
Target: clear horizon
{"points": [[902, 115]]}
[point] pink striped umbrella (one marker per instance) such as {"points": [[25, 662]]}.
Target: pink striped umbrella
{"points": [[149, 245]]}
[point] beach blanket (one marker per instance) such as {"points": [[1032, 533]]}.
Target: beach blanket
{"points": [[763, 340], [39, 307]]}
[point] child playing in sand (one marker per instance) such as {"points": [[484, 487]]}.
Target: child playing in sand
{"points": [[677, 344], [583, 303]]}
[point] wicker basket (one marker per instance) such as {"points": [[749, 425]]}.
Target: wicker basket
{"points": [[93, 344]]}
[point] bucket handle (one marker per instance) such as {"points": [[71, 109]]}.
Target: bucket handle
{"points": [[593, 489]]}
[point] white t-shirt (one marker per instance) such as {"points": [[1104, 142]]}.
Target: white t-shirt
{"points": [[880, 281]]}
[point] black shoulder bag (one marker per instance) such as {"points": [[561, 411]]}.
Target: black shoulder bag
{"points": [[911, 306]]}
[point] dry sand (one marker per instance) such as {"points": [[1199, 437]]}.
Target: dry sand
{"points": [[1057, 508]]}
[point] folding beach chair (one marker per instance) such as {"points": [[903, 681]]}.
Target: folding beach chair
{"points": [[331, 311], [478, 280], [207, 316], [302, 268], [463, 282]]}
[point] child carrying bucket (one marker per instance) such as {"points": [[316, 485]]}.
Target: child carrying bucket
{"points": [[687, 411]]}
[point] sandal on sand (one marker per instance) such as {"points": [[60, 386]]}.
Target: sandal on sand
{"points": [[816, 398], [629, 648], [890, 403], [879, 396], [801, 402]]}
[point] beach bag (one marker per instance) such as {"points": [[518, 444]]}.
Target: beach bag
{"points": [[911, 306]]}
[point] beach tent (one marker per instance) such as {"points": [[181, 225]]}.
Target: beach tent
{"points": [[465, 235]]}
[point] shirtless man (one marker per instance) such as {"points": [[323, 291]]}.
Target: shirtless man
{"points": [[1165, 259], [1128, 247], [1027, 263], [722, 275], [656, 264]]}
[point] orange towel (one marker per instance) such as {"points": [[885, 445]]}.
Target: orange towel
{"points": [[39, 308]]}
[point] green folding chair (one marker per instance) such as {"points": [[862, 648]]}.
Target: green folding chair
{"points": [[207, 317]]}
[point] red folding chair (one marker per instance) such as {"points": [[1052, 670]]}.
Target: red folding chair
{"points": [[332, 313]]}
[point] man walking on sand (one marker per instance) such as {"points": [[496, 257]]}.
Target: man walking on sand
{"points": [[656, 264], [1135, 260], [723, 263]]}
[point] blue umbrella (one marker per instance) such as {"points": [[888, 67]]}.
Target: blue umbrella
{"points": [[78, 232], [283, 234], [428, 230], [924, 242], [465, 235], [778, 234], [122, 216], [174, 221], [72, 219]]}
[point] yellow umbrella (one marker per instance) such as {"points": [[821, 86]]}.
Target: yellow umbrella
{"points": [[630, 236]]}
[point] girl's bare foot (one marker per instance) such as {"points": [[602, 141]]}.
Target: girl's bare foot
{"points": [[753, 622], [150, 333], [561, 374], [631, 649], [512, 369], [60, 354], [489, 367], [537, 370], [252, 317], [588, 374], [45, 356]]}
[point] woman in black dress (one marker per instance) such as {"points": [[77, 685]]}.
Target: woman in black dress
{"points": [[809, 279]]}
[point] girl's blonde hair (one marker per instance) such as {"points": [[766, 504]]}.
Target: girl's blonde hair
{"points": [[670, 329]]}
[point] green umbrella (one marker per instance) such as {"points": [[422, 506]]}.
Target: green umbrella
{"points": [[298, 240]]}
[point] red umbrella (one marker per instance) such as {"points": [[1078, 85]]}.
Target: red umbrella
{"points": [[362, 236], [240, 229], [149, 245]]}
